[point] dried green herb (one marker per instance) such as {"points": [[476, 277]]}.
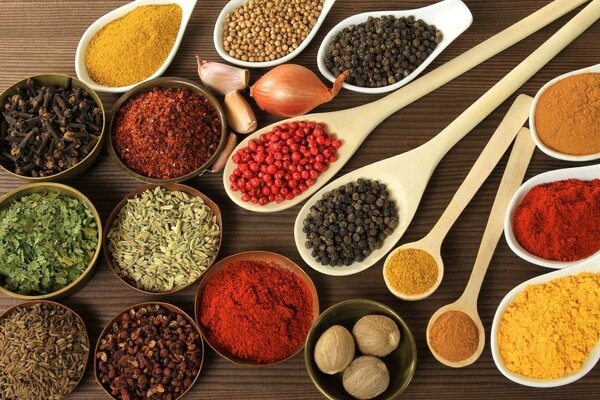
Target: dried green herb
{"points": [[43, 352], [47, 240]]}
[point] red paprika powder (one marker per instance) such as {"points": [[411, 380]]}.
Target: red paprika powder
{"points": [[256, 310], [560, 221], [166, 133]]}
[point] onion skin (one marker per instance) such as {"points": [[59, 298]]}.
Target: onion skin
{"points": [[290, 90]]}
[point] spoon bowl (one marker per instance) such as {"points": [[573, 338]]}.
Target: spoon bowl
{"points": [[539, 143], [231, 6], [589, 265], [451, 17], [581, 173], [187, 7]]}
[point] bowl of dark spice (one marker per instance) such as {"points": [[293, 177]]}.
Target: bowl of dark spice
{"points": [[360, 349], [44, 351], [149, 351], [166, 130], [51, 128], [161, 239], [255, 308], [49, 241], [384, 50]]}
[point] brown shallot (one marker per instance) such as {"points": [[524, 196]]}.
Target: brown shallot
{"points": [[290, 90]]}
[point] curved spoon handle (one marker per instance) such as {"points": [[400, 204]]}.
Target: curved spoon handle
{"points": [[483, 167], [512, 178], [372, 114]]}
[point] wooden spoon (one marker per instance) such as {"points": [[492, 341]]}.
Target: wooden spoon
{"points": [[467, 302], [355, 124], [483, 167]]}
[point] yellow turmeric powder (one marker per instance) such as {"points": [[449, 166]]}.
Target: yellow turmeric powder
{"points": [[411, 271], [133, 47], [550, 329]]}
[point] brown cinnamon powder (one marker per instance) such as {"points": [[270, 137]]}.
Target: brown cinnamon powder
{"points": [[454, 336]]}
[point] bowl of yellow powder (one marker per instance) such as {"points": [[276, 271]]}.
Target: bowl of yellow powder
{"points": [[546, 331], [132, 44], [564, 116]]}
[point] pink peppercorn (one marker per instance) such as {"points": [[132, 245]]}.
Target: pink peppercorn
{"points": [[283, 163]]}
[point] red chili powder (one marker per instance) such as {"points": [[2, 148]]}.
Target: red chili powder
{"points": [[166, 133], [256, 311], [560, 220]]}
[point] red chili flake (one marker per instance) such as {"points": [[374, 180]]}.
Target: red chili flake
{"points": [[166, 133], [283, 163]]}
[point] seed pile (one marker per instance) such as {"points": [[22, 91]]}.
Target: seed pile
{"points": [[47, 240], [163, 240], [283, 163], [43, 352], [166, 133], [151, 353], [349, 222], [265, 30], [46, 130], [381, 51]]}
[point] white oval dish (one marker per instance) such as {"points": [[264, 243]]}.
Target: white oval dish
{"points": [[187, 6], [536, 138], [232, 5], [580, 173], [451, 17], [590, 265]]}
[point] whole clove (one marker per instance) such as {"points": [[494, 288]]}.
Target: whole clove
{"points": [[38, 122]]}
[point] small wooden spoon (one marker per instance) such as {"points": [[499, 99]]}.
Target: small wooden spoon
{"points": [[483, 167], [467, 302]]}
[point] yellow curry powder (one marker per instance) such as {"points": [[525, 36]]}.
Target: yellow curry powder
{"points": [[411, 271], [550, 329], [132, 48]]}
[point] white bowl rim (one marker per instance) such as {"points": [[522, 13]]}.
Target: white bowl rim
{"points": [[538, 142], [581, 173], [460, 9], [233, 4], [187, 7]]}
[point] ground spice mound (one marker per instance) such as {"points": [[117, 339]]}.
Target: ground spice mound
{"points": [[550, 329], [166, 133], [454, 336], [412, 271], [560, 220], [256, 311]]}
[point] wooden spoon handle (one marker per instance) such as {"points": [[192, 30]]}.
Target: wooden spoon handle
{"points": [[374, 113], [511, 180], [483, 167]]}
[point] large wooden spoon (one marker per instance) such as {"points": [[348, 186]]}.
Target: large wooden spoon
{"points": [[483, 167], [355, 124], [467, 302]]}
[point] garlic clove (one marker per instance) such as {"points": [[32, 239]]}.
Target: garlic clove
{"points": [[222, 78], [239, 114], [219, 164]]}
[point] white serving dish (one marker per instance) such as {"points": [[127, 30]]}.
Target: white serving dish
{"points": [[187, 6], [232, 5], [451, 17]]}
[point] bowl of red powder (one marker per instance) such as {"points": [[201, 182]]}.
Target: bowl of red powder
{"points": [[166, 130], [255, 308], [553, 219]]}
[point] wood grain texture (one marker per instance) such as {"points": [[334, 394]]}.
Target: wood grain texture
{"points": [[42, 36]]}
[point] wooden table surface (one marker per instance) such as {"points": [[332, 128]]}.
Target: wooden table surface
{"points": [[42, 36]]}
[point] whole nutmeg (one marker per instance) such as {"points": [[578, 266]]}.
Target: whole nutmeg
{"points": [[334, 350], [376, 335], [366, 377]]}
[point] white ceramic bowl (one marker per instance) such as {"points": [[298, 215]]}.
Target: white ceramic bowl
{"points": [[534, 134], [580, 173], [232, 5], [187, 6], [451, 17], [590, 265]]}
